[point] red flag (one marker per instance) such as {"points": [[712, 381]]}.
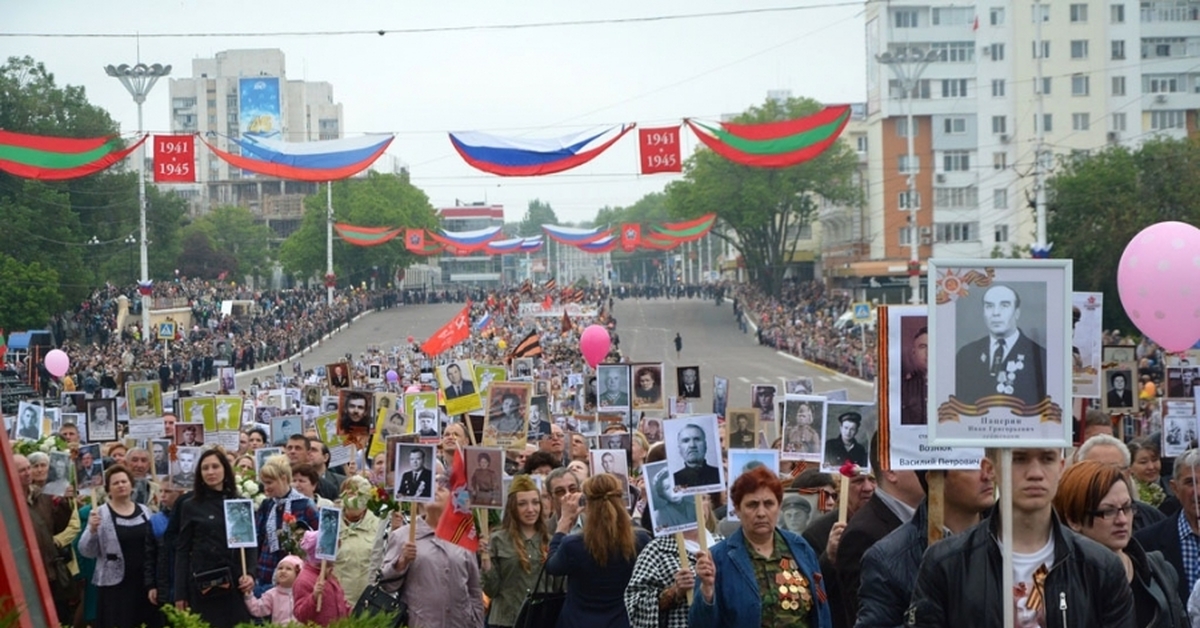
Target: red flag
{"points": [[631, 236], [457, 525], [547, 303], [174, 159], [659, 149], [975, 27], [566, 322], [450, 334], [414, 239]]}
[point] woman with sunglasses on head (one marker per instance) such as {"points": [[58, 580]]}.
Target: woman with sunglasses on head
{"points": [[1096, 500]]}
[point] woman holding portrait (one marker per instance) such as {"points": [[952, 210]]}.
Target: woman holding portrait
{"points": [[512, 558]]}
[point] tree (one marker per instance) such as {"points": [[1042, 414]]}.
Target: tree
{"points": [[199, 259], [29, 294], [764, 208], [375, 200], [537, 214], [233, 230], [1096, 204], [649, 210]]}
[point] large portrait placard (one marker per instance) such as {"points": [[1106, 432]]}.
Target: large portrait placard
{"points": [[1000, 375], [1086, 332], [903, 388]]}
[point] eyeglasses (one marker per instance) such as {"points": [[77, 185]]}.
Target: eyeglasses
{"points": [[1108, 514]]}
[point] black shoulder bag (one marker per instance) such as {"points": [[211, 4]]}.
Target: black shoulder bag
{"points": [[540, 608], [376, 601]]}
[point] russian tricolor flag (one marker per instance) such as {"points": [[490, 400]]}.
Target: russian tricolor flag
{"points": [[484, 322], [325, 160]]}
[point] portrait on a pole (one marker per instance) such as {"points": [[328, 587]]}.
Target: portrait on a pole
{"points": [[1000, 335], [1086, 331]]}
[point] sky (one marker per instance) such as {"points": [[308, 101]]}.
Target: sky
{"points": [[541, 82]]}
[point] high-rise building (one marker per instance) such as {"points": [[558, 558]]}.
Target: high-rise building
{"points": [[474, 268], [240, 92], [990, 87]]}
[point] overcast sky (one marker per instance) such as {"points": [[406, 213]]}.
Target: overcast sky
{"points": [[538, 82]]}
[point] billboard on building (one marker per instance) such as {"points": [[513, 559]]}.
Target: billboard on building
{"points": [[259, 108]]}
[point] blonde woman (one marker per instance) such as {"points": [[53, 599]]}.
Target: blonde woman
{"points": [[512, 558], [599, 560], [282, 499]]}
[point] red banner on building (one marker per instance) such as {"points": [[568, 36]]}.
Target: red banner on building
{"points": [[659, 150], [174, 159], [631, 236]]}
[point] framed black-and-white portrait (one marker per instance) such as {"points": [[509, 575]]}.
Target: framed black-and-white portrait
{"points": [[89, 467], [849, 428], [688, 380], [741, 427], [1087, 329], [614, 387], [485, 474], [1182, 381], [800, 433], [762, 398], [1119, 392], [670, 511], [1000, 372], [414, 468], [648, 387], [457, 381], [29, 421], [799, 386], [101, 420], [240, 531], [507, 420], [329, 527], [693, 447]]}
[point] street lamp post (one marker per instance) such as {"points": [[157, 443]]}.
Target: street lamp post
{"points": [[907, 64], [139, 80], [130, 240]]}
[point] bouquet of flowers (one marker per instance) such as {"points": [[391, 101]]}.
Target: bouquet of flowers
{"points": [[248, 488], [290, 535], [382, 504], [46, 444]]}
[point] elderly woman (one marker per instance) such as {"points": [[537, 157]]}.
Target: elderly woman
{"points": [[512, 559], [1096, 500], [760, 575], [657, 592], [360, 539], [39, 468]]}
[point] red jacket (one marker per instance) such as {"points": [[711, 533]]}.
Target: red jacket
{"points": [[333, 600]]}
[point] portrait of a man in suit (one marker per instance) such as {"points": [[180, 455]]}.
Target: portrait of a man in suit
{"points": [[1119, 394], [339, 377], [456, 385], [417, 481], [1006, 361], [914, 383], [615, 382]]}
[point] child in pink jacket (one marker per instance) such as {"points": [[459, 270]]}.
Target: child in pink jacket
{"points": [[309, 588], [277, 602]]}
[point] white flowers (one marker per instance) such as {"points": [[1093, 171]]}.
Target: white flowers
{"points": [[249, 489]]}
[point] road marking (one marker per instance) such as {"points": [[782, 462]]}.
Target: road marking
{"points": [[825, 379], [849, 379], [744, 380]]}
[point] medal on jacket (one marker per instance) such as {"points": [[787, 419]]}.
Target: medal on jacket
{"points": [[794, 591]]}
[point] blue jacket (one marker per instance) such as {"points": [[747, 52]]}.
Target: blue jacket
{"points": [[736, 599]]}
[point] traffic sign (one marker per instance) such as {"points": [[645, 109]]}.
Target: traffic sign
{"points": [[166, 330], [862, 312]]}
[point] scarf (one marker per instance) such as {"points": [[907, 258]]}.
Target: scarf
{"points": [[273, 517]]}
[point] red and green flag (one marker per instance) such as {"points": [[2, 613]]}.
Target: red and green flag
{"points": [[778, 144], [686, 231], [365, 236], [57, 158]]}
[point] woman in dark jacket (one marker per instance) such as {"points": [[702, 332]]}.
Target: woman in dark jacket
{"points": [[208, 574], [1096, 500]]}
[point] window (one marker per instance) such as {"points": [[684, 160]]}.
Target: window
{"points": [[910, 199], [920, 90], [1041, 12], [1081, 121], [954, 51], [916, 164], [1117, 13], [997, 88], [1118, 121], [1047, 122], [1118, 86], [956, 198], [999, 198], [951, 16], [999, 161], [212, 103], [954, 88], [955, 126], [1164, 47], [906, 236], [1045, 46], [902, 127], [1001, 234], [1046, 84], [996, 16], [955, 231], [997, 52], [212, 120], [183, 103], [1118, 49], [1080, 85], [1078, 13], [956, 161], [1079, 48], [861, 143], [1160, 120], [999, 124], [1160, 84], [906, 18]]}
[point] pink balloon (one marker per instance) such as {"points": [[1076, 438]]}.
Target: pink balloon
{"points": [[1159, 283], [594, 344], [57, 363]]}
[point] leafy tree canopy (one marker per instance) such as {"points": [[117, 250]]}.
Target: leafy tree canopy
{"points": [[537, 214], [29, 294], [233, 231]]}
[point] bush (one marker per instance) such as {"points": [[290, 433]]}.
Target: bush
{"points": [[187, 619]]}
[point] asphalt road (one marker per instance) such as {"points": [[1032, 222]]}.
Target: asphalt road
{"points": [[711, 340]]}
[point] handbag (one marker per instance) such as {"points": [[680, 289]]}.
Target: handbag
{"points": [[540, 608], [213, 582], [376, 601]]}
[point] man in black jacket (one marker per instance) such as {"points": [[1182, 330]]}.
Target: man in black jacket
{"points": [[889, 568], [1060, 578], [1170, 536]]}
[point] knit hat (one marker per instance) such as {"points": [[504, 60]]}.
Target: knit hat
{"points": [[292, 560]]}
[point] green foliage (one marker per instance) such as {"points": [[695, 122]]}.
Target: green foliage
{"points": [[10, 613], [376, 200], [649, 210], [186, 619], [199, 259], [31, 102], [28, 294], [537, 214], [232, 231], [1097, 204], [764, 208]]}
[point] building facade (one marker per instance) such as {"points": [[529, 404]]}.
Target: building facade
{"points": [[994, 87], [475, 268]]}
